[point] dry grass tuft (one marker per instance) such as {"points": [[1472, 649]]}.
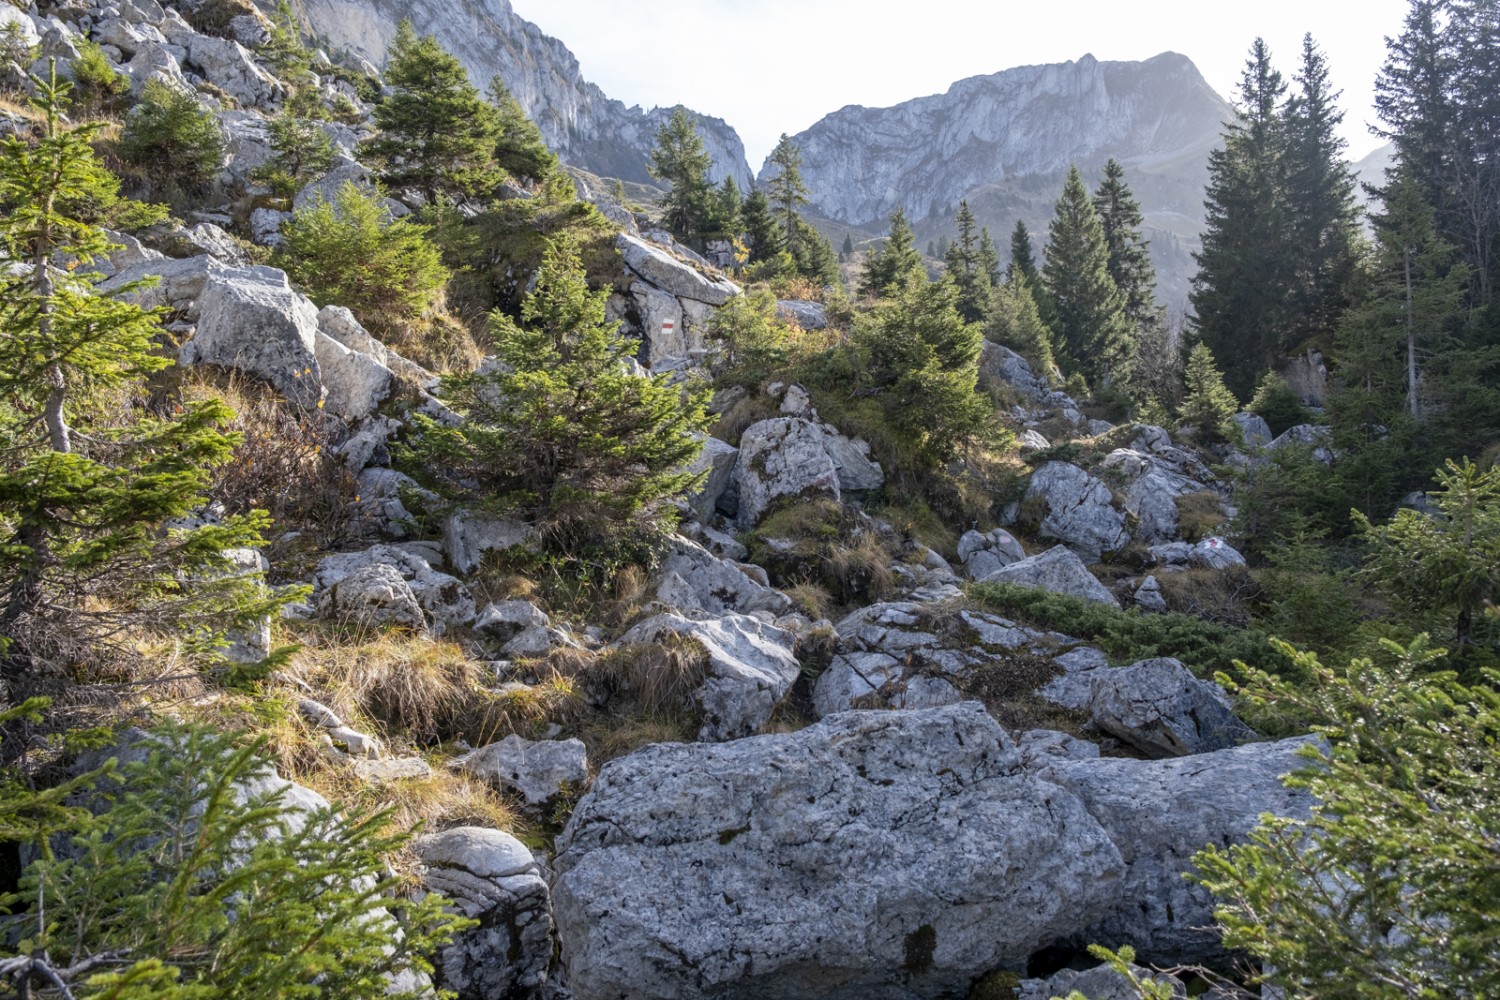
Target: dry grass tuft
{"points": [[751, 409], [656, 678], [1224, 596], [1200, 515]]}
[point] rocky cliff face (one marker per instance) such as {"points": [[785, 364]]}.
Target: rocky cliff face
{"points": [[1005, 141], [580, 123]]}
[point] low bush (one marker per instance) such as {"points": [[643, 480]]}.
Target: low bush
{"points": [[173, 137]]}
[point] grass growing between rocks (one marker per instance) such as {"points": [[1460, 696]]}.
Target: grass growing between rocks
{"points": [[1206, 648]]}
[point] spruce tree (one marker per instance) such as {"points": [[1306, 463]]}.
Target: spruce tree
{"points": [[967, 268], [1246, 263], [437, 134], [172, 134], [1022, 256], [562, 433], [848, 248], [765, 236], [786, 191], [1016, 322], [724, 221], [1207, 405], [1087, 310], [989, 258], [1322, 215], [87, 493], [1129, 262], [895, 262], [680, 160], [813, 256], [520, 149]]}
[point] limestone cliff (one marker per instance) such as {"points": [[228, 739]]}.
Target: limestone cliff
{"points": [[1005, 141], [581, 124]]}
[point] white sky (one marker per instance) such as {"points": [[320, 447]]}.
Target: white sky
{"points": [[773, 66]]}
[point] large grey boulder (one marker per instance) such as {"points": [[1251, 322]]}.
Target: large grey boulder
{"points": [[1212, 553], [537, 770], [251, 319], [784, 458], [1058, 570], [716, 461], [469, 536], [229, 66], [491, 877], [1098, 983], [751, 668], [662, 326], [362, 583], [983, 554], [857, 472], [807, 315], [693, 579], [1078, 510], [1161, 709], [1254, 431], [1161, 813], [1310, 436], [356, 383], [672, 275], [1000, 366], [872, 855]]}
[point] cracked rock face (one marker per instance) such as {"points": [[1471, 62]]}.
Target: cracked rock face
{"points": [[782, 459], [872, 855], [1079, 510]]}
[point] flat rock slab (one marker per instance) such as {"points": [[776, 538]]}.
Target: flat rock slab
{"points": [[872, 855]]}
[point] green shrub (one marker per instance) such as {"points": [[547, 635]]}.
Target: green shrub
{"points": [[1207, 404], [97, 86], [196, 879], [755, 338], [1276, 403], [301, 151], [1206, 648], [352, 253], [174, 136]]}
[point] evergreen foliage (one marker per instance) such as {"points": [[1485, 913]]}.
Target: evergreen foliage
{"points": [[1016, 322], [1388, 889], [724, 220], [1022, 256], [786, 191], [680, 159], [1277, 404], [1085, 308], [766, 239], [98, 88], [560, 432], [989, 257], [755, 338], [1448, 564], [301, 152], [199, 878], [172, 134], [969, 269], [1207, 404], [520, 149], [813, 256], [920, 359], [351, 252], [86, 496], [1129, 262], [437, 134], [895, 263]]}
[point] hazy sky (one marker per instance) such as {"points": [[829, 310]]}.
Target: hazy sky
{"points": [[773, 66]]}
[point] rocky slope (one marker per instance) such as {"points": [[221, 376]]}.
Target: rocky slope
{"points": [[581, 124], [1005, 141]]}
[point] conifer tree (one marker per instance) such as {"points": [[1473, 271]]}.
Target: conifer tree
{"points": [[1087, 311], [562, 433], [1016, 322], [813, 256], [1245, 266], [989, 257], [724, 220], [520, 149], [437, 134], [765, 236], [1207, 405], [968, 269], [680, 159], [1322, 216], [786, 191], [1022, 256], [895, 262], [921, 360], [86, 496], [848, 248], [1129, 262], [169, 131]]}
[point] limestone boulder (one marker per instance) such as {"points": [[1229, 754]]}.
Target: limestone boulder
{"points": [[491, 877], [872, 855], [1058, 570], [807, 315], [251, 319], [983, 553], [751, 668], [784, 458], [1161, 813], [717, 461], [1161, 709], [672, 274], [539, 771], [1254, 431], [693, 579], [1077, 510], [229, 66], [356, 383], [857, 472], [1000, 366], [394, 584], [468, 536]]}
